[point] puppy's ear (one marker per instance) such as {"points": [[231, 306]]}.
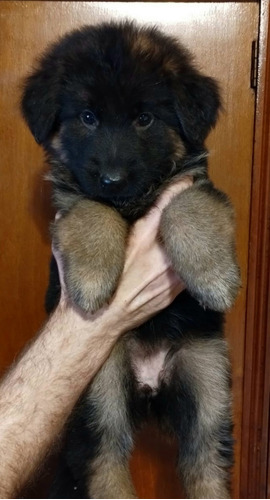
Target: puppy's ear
{"points": [[40, 100], [197, 106]]}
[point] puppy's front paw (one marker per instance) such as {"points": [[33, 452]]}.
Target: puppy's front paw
{"points": [[91, 238], [90, 286], [197, 229]]}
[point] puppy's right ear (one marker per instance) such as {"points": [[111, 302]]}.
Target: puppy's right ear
{"points": [[40, 101]]}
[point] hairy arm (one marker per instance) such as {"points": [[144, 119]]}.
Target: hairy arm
{"points": [[41, 388]]}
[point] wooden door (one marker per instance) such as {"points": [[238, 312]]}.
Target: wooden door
{"points": [[220, 35]]}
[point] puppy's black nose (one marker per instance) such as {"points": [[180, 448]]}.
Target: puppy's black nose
{"points": [[113, 180]]}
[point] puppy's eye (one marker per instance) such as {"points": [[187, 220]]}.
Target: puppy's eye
{"points": [[144, 120], [89, 119]]}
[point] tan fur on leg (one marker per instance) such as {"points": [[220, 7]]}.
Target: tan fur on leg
{"points": [[109, 475], [92, 240], [197, 229], [206, 470], [110, 479]]}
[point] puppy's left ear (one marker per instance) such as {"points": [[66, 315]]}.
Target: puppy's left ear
{"points": [[197, 106], [40, 101]]}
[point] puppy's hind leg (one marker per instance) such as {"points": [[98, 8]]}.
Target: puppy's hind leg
{"points": [[109, 475], [94, 462], [199, 413]]}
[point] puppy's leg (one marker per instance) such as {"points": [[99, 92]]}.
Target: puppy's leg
{"points": [[100, 437], [197, 229], [109, 475], [91, 238], [199, 412]]}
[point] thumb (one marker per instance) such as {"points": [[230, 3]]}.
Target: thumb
{"points": [[164, 199]]}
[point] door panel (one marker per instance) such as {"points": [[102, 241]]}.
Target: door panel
{"points": [[220, 36]]}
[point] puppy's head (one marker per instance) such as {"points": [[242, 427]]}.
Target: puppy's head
{"points": [[120, 107]]}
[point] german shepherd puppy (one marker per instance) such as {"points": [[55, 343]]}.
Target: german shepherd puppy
{"points": [[120, 111]]}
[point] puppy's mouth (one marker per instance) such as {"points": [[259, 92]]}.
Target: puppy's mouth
{"points": [[134, 205], [119, 200], [117, 192], [119, 196], [119, 188]]}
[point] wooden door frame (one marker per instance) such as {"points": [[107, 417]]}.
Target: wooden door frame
{"points": [[255, 456], [255, 425]]}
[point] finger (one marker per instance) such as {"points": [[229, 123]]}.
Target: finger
{"points": [[57, 216], [172, 190], [59, 261], [166, 297], [152, 218], [158, 289]]}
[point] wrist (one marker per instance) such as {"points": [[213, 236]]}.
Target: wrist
{"points": [[104, 323]]}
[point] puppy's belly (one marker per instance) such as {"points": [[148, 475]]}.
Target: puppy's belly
{"points": [[148, 367]]}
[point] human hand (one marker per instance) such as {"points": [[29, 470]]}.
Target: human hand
{"points": [[148, 283]]}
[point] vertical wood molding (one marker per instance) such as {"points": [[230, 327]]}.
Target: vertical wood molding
{"points": [[255, 430]]}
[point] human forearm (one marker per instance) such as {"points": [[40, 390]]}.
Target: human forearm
{"points": [[39, 392], [42, 387]]}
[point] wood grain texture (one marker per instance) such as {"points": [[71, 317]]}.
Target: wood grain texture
{"points": [[255, 462], [222, 50]]}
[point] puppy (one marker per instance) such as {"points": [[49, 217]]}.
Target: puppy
{"points": [[121, 111]]}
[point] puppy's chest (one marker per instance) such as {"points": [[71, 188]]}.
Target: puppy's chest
{"points": [[150, 367]]}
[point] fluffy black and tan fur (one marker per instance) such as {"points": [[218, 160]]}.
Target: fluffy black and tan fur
{"points": [[121, 111]]}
